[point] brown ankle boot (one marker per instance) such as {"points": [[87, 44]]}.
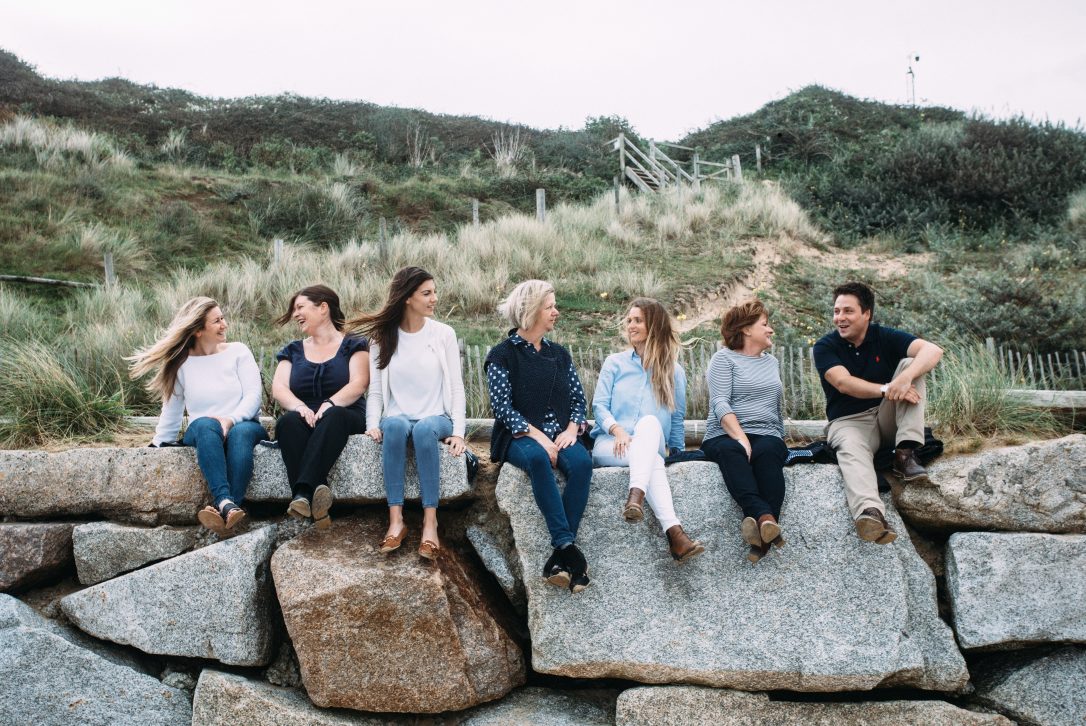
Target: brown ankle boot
{"points": [[908, 467], [872, 526], [634, 509], [682, 547]]}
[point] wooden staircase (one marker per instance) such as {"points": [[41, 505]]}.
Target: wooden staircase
{"points": [[653, 171]]}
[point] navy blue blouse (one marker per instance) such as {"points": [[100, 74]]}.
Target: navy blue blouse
{"points": [[314, 382]]}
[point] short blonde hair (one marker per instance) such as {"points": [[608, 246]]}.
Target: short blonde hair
{"points": [[522, 306]]}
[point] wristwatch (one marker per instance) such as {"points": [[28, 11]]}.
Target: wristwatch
{"points": [[883, 388]]}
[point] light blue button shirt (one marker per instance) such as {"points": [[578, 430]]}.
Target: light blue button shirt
{"points": [[624, 395]]}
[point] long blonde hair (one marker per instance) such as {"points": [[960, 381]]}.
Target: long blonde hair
{"points": [[166, 355], [661, 349]]}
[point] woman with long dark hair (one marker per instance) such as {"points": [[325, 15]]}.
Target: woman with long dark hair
{"points": [[218, 383], [639, 404], [416, 392], [539, 411], [319, 382]]}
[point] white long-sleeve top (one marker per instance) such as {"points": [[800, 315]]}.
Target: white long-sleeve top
{"points": [[225, 384], [441, 343]]}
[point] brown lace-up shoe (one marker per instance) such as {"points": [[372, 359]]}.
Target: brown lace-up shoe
{"points": [[635, 507], [872, 526], [769, 530], [682, 547], [908, 467]]}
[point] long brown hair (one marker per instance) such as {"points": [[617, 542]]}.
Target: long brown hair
{"points": [[661, 349], [316, 294], [166, 355], [381, 326]]}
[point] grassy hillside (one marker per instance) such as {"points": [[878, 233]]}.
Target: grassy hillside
{"points": [[967, 228]]}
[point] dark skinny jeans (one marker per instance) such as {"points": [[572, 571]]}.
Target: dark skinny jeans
{"points": [[756, 485], [310, 453], [562, 510]]}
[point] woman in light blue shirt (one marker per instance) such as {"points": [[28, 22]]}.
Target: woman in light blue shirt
{"points": [[639, 404]]}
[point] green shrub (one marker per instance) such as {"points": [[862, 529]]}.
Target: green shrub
{"points": [[45, 397], [969, 399]]}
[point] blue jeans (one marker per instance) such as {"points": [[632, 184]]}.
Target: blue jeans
{"points": [[227, 465], [562, 511], [426, 434]]}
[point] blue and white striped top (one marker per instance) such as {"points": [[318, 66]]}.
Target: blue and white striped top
{"points": [[748, 386]]}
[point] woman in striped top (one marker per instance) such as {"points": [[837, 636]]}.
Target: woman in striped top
{"points": [[745, 431]]}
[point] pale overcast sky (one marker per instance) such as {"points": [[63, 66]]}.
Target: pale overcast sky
{"points": [[667, 67]]}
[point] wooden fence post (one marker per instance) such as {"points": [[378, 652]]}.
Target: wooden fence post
{"points": [[107, 262], [382, 240], [616, 195], [541, 205], [277, 250], [697, 172], [475, 212], [758, 157], [737, 168]]}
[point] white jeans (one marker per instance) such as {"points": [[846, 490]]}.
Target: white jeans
{"points": [[645, 458]]}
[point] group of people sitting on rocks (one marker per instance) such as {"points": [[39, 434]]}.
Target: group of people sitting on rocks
{"points": [[396, 375]]}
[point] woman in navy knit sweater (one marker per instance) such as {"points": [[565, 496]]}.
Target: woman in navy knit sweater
{"points": [[539, 411]]}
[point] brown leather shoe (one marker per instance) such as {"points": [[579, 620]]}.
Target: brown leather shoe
{"points": [[749, 529], [872, 526], [391, 543], [769, 530], [682, 547], [635, 507], [908, 467]]}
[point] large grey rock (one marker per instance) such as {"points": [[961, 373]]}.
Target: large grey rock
{"points": [[223, 699], [104, 549], [1038, 487], [214, 602], [680, 705], [15, 613], [1046, 689], [30, 553], [46, 681], [165, 486], [544, 707], [1010, 590], [357, 476], [825, 613], [390, 633], [142, 485], [496, 560]]}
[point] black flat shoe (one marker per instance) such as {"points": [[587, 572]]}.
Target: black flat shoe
{"points": [[554, 572]]}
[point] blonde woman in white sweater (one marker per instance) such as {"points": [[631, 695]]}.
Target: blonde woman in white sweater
{"points": [[416, 391], [218, 383]]}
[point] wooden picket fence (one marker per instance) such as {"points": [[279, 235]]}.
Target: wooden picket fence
{"points": [[803, 397]]}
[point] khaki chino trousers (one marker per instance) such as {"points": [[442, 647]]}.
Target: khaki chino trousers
{"points": [[856, 438]]}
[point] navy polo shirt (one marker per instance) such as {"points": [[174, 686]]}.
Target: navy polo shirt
{"points": [[873, 360]]}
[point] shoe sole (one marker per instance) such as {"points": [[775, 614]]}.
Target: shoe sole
{"points": [[749, 529], [923, 478], [872, 530], [690, 554], [239, 520], [322, 502], [769, 531], [299, 509], [561, 579], [633, 514], [211, 521], [580, 586]]}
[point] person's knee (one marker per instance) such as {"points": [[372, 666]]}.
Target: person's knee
{"points": [[648, 425], [396, 426], [336, 415], [205, 426], [427, 429], [577, 460], [290, 421]]}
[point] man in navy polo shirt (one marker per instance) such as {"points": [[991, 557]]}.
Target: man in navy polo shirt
{"points": [[873, 377]]}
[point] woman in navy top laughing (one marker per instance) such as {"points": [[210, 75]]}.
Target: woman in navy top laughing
{"points": [[320, 381]]}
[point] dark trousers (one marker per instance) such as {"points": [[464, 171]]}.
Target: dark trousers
{"points": [[309, 453], [756, 485], [562, 510]]}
